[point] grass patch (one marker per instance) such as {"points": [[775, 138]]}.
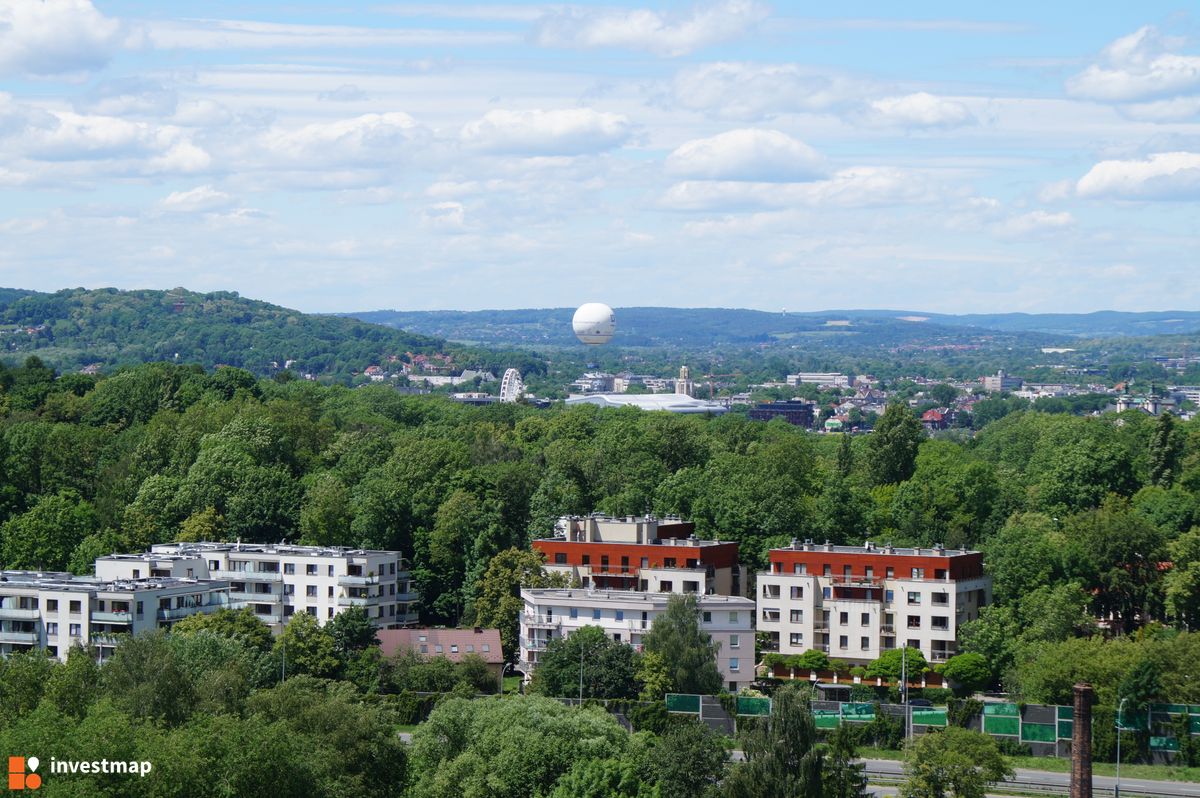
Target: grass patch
{"points": [[512, 684], [406, 728], [1052, 764]]}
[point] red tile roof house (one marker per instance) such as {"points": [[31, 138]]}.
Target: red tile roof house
{"points": [[453, 644]]}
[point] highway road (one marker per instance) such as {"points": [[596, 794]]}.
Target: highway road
{"points": [[1052, 783]]}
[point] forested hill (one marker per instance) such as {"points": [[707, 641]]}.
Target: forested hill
{"points": [[703, 327], [76, 327]]}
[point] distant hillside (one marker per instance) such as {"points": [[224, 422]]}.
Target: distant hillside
{"points": [[704, 327], [77, 327]]}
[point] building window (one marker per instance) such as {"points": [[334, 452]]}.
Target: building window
{"points": [[843, 618], [311, 611], [453, 648], [799, 568], [586, 559], [690, 586], [329, 611], [939, 573], [941, 599], [826, 592], [890, 572], [310, 569], [620, 615], [827, 570], [668, 562], [51, 605], [470, 648], [289, 568], [734, 664], [52, 628], [617, 636], [889, 595], [914, 598], [645, 562], [139, 608], [864, 643], [665, 586], [846, 571], [214, 565], [330, 570], [734, 641], [574, 612], [289, 611], [75, 630], [918, 573], [843, 642], [870, 571], [914, 622], [603, 562], [310, 591], [797, 592], [940, 622], [329, 591], [706, 617], [866, 619], [595, 614], [796, 639], [424, 648], [560, 558], [796, 616], [733, 617], [437, 648], [486, 647]]}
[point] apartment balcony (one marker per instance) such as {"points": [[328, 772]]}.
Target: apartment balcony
{"points": [[357, 581], [822, 647], [269, 618], [112, 617], [541, 621], [639, 625], [175, 613], [533, 644], [888, 628], [18, 637], [406, 598], [105, 638], [12, 614], [250, 597], [353, 601], [249, 576], [821, 626], [941, 656]]}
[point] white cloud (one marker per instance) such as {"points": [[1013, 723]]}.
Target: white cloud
{"points": [[643, 29], [574, 131], [749, 154], [53, 37], [228, 34], [1034, 222], [920, 110], [1162, 176], [446, 216], [737, 90], [346, 93], [199, 199], [856, 187], [368, 140], [1138, 67]]}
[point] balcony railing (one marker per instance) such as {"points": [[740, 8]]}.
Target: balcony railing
{"points": [[822, 647], [940, 656], [821, 626], [542, 621], [13, 614], [353, 601], [888, 628], [348, 580], [250, 597], [175, 613], [18, 637], [638, 625], [249, 576], [533, 644], [112, 617], [405, 598]]}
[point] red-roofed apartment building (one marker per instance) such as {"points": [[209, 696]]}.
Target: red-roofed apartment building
{"points": [[453, 644]]}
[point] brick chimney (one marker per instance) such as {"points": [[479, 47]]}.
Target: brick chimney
{"points": [[1081, 743]]}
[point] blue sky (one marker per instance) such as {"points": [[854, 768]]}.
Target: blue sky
{"points": [[949, 157]]}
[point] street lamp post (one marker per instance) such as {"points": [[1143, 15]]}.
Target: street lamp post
{"points": [[904, 691], [1120, 726]]}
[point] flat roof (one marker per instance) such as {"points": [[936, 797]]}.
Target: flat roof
{"points": [[873, 549], [670, 402], [285, 549], [59, 580]]}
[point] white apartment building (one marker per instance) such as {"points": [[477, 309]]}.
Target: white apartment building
{"points": [[55, 611], [277, 581], [626, 616], [822, 379], [854, 603]]}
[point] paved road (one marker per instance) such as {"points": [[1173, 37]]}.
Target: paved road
{"points": [[1061, 782]]}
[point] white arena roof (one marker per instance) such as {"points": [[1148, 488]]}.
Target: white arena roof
{"points": [[670, 402]]}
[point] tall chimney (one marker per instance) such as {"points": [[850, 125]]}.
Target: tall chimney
{"points": [[1081, 743]]}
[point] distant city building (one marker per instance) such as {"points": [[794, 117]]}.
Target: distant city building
{"points": [[279, 580], [592, 382], [821, 379], [55, 611], [641, 553], [1186, 393], [671, 403], [626, 616], [854, 603], [684, 385], [1154, 405], [1001, 382], [794, 411], [453, 644]]}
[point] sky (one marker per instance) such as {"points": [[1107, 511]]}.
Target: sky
{"points": [[949, 157]]}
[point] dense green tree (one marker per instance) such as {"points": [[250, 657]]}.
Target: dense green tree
{"points": [[1182, 582], [146, 679], [307, 647], [75, 685], [242, 625], [352, 630], [893, 445], [844, 777], [689, 652], [969, 672], [603, 778], [608, 668], [1166, 451], [498, 602], [44, 537], [782, 757], [891, 664], [689, 760], [953, 762]]}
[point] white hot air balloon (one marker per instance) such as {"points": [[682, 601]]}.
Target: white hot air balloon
{"points": [[594, 323]]}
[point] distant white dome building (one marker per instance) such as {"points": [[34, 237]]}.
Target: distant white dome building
{"points": [[512, 387], [669, 402], [594, 323]]}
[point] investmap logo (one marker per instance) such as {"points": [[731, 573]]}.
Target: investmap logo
{"points": [[22, 773]]}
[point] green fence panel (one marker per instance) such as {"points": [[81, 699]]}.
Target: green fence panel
{"points": [[826, 718], [864, 712], [1194, 724], [1164, 744], [1002, 725], [755, 707], [1003, 710], [1066, 729], [1066, 713], [683, 702], [1174, 709], [1038, 732], [929, 717], [1194, 709]]}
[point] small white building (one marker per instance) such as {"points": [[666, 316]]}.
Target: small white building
{"points": [[279, 580], [626, 616]]}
